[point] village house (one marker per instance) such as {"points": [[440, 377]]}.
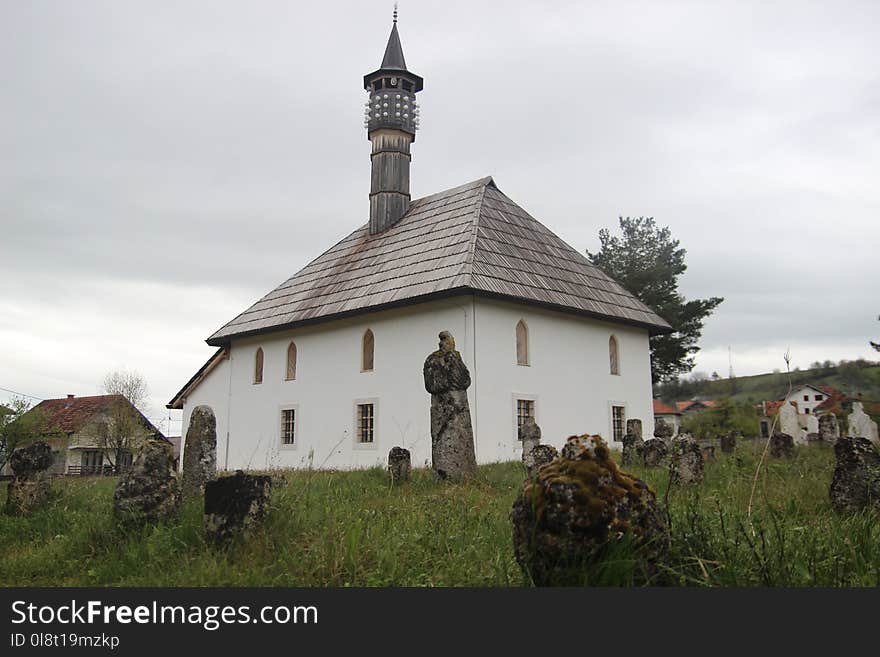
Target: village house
{"points": [[326, 369], [73, 427], [668, 415]]}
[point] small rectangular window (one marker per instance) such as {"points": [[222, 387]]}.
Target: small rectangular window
{"points": [[806, 398], [618, 422], [288, 426], [818, 397], [806, 411], [365, 423], [524, 408]]}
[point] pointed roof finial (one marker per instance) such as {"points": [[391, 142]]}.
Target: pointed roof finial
{"points": [[395, 13]]}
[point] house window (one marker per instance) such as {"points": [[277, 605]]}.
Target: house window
{"points": [[366, 423], [258, 366], [806, 411], [291, 361], [288, 426], [618, 422], [92, 461], [522, 343], [368, 346], [524, 408], [806, 398], [818, 397], [126, 458], [613, 355]]}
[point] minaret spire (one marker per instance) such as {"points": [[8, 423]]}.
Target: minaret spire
{"points": [[391, 118]]}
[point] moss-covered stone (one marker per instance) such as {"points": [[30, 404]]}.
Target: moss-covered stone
{"points": [[578, 507], [686, 461], [653, 452], [540, 455], [150, 491], [781, 445], [855, 485]]}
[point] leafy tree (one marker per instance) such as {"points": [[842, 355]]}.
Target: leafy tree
{"points": [[647, 261], [21, 425], [724, 417], [124, 428]]}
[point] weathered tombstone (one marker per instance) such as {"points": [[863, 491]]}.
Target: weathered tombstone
{"points": [[632, 442], [150, 491], [575, 508], [812, 425], [788, 420], [452, 437], [634, 427], [530, 437], [29, 488], [861, 425], [235, 504], [540, 455], [200, 450], [399, 465], [663, 430], [654, 451], [855, 485], [728, 442], [781, 445], [828, 428], [685, 461], [708, 452]]}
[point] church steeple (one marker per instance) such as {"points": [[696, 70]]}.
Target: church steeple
{"points": [[391, 117]]}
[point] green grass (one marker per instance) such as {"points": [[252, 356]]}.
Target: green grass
{"points": [[354, 529]]}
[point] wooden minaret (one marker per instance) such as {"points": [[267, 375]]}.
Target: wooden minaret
{"points": [[391, 118]]}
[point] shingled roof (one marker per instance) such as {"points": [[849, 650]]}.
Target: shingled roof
{"points": [[470, 239], [71, 414]]}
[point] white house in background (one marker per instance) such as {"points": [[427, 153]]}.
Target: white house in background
{"points": [[808, 397], [326, 370]]}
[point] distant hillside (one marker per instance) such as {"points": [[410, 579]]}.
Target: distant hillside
{"points": [[852, 378]]}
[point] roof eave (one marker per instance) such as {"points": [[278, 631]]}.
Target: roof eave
{"points": [[225, 340]]}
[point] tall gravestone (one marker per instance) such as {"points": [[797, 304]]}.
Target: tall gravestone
{"points": [[452, 436], [200, 450], [829, 431], [632, 442], [530, 437], [788, 421], [861, 425], [855, 485]]}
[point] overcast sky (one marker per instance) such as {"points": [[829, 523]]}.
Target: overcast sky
{"points": [[165, 164]]}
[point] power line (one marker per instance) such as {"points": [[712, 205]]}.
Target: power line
{"points": [[14, 392]]}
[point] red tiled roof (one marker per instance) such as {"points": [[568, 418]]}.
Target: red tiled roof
{"points": [[683, 406], [662, 409], [771, 408], [70, 414]]}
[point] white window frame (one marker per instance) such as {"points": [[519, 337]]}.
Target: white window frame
{"points": [[354, 417], [611, 405], [514, 398], [296, 419]]}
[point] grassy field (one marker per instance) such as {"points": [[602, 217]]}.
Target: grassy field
{"points": [[354, 529]]}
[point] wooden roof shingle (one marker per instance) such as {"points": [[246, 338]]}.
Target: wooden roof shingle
{"points": [[470, 239]]}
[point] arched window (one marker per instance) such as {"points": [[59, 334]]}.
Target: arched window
{"points": [[368, 347], [522, 343], [291, 361], [258, 366], [613, 355]]}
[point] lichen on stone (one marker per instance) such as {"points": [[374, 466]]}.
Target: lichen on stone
{"points": [[576, 507]]}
